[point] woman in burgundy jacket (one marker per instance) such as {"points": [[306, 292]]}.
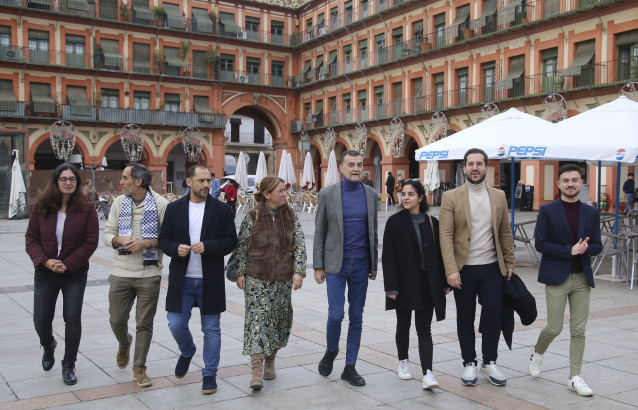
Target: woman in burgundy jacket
{"points": [[61, 237]]}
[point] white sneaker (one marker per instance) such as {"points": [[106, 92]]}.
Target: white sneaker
{"points": [[469, 377], [535, 363], [578, 385], [404, 370], [493, 373], [429, 381]]}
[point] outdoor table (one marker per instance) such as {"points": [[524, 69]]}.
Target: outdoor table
{"points": [[631, 236]]}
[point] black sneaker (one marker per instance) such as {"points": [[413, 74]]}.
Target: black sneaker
{"points": [[181, 368], [350, 375], [325, 365], [209, 385]]}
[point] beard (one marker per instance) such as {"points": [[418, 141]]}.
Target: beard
{"points": [[469, 179], [201, 194], [572, 195]]}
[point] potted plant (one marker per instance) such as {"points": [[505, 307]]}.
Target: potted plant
{"points": [[160, 15], [184, 51], [212, 59], [98, 98], [468, 33], [425, 44], [124, 12], [159, 58]]}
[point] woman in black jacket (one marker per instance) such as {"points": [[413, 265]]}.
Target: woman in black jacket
{"points": [[414, 277]]}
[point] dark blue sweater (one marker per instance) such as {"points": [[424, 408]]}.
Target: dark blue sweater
{"points": [[355, 220]]}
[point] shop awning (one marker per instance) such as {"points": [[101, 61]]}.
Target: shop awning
{"points": [[42, 2], [489, 8], [363, 95], [346, 97], [78, 5], [172, 98], [76, 97], [111, 50], [584, 53], [7, 98], [204, 24], [347, 49], [70, 38], [417, 28], [517, 68], [142, 56], [318, 108], [306, 68], [397, 32], [41, 98], [439, 19], [508, 13], [202, 107], [627, 38], [174, 17], [379, 38], [173, 58], [331, 59], [320, 20], [363, 44], [318, 64], [378, 90], [228, 20], [142, 10], [462, 14]]}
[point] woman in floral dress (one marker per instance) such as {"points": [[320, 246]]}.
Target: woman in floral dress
{"points": [[270, 263]]}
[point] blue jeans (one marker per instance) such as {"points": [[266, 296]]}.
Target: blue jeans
{"points": [[354, 273], [178, 324], [630, 202]]}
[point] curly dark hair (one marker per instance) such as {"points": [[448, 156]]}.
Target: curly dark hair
{"points": [[420, 191], [50, 200]]}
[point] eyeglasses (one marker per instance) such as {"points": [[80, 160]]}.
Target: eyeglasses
{"points": [[64, 180]]}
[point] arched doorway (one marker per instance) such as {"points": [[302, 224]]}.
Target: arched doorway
{"points": [[116, 158], [45, 159], [413, 165]]}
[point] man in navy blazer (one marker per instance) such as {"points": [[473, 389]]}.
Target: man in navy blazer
{"points": [[567, 234], [197, 232]]}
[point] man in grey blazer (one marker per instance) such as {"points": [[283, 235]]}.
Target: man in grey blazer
{"points": [[345, 253]]}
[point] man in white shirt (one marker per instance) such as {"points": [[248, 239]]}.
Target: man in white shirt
{"points": [[198, 231]]}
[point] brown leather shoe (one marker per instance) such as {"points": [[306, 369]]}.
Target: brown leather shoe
{"points": [[124, 353], [142, 378]]}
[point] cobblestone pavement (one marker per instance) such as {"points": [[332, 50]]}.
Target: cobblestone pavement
{"points": [[610, 368]]}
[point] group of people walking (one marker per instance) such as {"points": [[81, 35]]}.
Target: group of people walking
{"points": [[469, 252]]}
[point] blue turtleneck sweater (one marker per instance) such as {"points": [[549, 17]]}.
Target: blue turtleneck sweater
{"points": [[355, 220]]}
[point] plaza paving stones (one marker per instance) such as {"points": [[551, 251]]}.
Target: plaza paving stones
{"points": [[610, 368]]}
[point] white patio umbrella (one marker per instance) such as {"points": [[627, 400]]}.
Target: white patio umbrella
{"points": [[332, 176], [290, 171], [432, 180], [606, 133], [500, 136], [262, 171], [308, 176], [241, 175], [17, 201], [282, 166]]}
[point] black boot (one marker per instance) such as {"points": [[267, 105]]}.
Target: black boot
{"points": [[48, 359], [68, 373], [325, 365], [350, 374]]}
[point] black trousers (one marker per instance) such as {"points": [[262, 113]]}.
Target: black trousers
{"points": [[47, 286], [486, 282], [422, 321], [391, 198]]}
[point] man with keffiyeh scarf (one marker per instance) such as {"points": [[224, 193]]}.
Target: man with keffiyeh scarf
{"points": [[132, 230]]}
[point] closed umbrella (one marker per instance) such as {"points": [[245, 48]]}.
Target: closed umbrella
{"points": [[308, 176], [17, 201], [262, 171], [283, 166], [332, 176], [432, 180], [292, 177], [240, 172]]}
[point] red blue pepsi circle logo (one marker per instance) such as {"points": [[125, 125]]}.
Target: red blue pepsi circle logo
{"points": [[501, 151], [620, 155]]}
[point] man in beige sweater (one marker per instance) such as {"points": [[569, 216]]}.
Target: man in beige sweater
{"points": [[478, 251], [132, 230]]}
